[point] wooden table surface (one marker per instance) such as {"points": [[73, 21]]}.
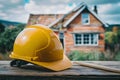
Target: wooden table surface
{"points": [[77, 72]]}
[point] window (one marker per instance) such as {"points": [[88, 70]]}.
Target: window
{"points": [[85, 39], [85, 18], [61, 37]]}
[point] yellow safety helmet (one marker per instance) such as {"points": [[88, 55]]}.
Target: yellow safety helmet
{"points": [[39, 45]]}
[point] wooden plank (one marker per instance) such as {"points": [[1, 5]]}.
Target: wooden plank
{"points": [[101, 62], [33, 72], [100, 67]]}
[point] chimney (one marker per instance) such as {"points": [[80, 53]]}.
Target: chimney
{"points": [[95, 9]]}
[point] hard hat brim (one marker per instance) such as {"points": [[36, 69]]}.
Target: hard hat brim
{"points": [[56, 65], [59, 65]]}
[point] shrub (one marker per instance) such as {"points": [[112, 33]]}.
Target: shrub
{"points": [[80, 55], [117, 56], [7, 38]]}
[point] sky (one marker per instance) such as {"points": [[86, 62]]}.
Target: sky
{"points": [[19, 10]]}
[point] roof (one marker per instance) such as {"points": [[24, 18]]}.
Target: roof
{"points": [[74, 16], [65, 15], [44, 19], [78, 10]]}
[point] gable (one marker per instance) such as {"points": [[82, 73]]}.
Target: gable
{"points": [[84, 8], [66, 17], [92, 19]]}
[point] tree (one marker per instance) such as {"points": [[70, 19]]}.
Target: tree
{"points": [[7, 38], [112, 41], [2, 28]]}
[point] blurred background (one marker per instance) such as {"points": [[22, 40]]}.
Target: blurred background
{"points": [[15, 15]]}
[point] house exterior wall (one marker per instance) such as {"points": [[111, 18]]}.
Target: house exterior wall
{"points": [[76, 27]]}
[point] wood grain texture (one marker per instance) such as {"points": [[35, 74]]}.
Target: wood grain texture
{"points": [[101, 67], [77, 72]]}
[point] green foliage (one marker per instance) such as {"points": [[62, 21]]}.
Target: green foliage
{"points": [[117, 56], [80, 55], [92, 56], [118, 34], [7, 38], [110, 28], [111, 38], [2, 28]]}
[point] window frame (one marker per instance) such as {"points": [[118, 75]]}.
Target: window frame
{"points": [[82, 39], [61, 35], [85, 18]]}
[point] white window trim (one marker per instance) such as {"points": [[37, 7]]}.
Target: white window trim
{"points": [[88, 19], [82, 41]]}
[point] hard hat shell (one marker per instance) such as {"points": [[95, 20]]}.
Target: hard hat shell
{"points": [[39, 45]]}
